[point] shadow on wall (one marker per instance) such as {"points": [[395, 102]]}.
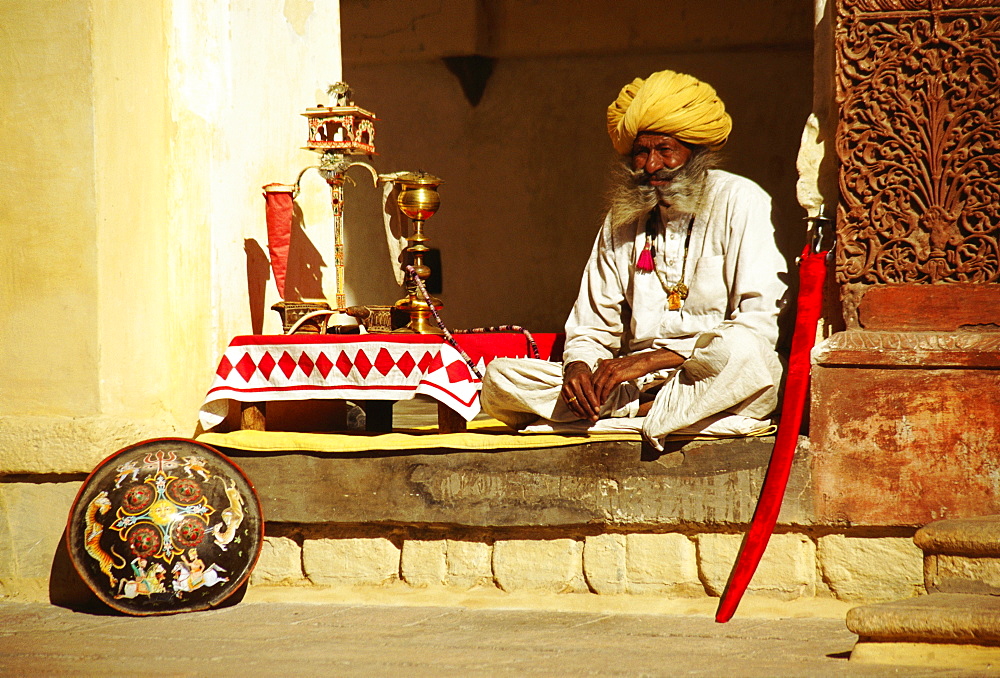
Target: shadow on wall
{"points": [[258, 273], [303, 279], [67, 588]]}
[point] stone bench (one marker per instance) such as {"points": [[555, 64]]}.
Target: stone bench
{"points": [[708, 483], [601, 517]]}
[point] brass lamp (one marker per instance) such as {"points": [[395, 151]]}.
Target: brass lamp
{"points": [[418, 199]]}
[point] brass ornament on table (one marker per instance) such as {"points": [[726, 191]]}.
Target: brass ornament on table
{"points": [[378, 319], [337, 132], [419, 200], [306, 316]]}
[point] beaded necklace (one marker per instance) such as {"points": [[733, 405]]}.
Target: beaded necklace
{"points": [[677, 292]]}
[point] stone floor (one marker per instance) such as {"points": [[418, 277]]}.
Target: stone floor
{"points": [[303, 638], [419, 411]]}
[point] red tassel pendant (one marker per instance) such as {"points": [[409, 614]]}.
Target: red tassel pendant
{"points": [[645, 262]]}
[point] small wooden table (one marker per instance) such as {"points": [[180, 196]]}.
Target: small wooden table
{"points": [[374, 370]]}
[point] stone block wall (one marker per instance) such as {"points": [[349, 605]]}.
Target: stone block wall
{"points": [[596, 519], [799, 562], [675, 564], [604, 518], [32, 520]]}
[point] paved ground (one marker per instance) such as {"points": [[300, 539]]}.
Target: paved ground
{"points": [[306, 639]]}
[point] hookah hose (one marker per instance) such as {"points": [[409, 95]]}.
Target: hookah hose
{"points": [[449, 335]]}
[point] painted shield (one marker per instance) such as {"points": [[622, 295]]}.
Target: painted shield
{"points": [[164, 526]]}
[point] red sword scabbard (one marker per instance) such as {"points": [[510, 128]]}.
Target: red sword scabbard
{"points": [[812, 278]]}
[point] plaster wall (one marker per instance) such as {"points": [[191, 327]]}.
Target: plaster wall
{"points": [[237, 77], [48, 277], [138, 136]]}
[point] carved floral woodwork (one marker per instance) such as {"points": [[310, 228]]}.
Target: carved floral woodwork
{"points": [[918, 85]]}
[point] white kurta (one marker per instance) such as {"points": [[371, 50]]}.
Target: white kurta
{"points": [[726, 328]]}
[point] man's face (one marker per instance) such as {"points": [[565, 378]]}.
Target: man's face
{"points": [[653, 152]]}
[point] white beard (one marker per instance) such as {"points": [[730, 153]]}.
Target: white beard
{"points": [[631, 199]]}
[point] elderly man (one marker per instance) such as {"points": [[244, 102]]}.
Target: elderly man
{"points": [[676, 319]]}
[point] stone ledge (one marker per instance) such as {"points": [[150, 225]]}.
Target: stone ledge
{"points": [[937, 617], [924, 350], [945, 573], [979, 536], [939, 655], [711, 484], [958, 307], [961, 555], [66, 445]]}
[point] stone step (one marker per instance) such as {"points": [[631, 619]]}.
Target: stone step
{"points": [[961, 555], [940, 629]]}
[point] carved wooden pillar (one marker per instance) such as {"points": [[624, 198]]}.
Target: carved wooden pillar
{"points": [[918, 87], [906, 401]]}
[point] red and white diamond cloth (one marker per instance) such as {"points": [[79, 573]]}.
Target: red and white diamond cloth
{"points": [[351, 367]]}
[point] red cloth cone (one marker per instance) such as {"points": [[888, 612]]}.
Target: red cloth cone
{"points": [[278, 211]]}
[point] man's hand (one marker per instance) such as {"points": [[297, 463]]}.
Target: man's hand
{"points": [[578, 391], [610, 373], [585, 392]]}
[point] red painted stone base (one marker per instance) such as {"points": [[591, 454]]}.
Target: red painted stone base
{"points": [[905, 427]]}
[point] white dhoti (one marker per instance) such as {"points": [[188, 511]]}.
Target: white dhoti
{"points": [[729, 385], [520, 391]]}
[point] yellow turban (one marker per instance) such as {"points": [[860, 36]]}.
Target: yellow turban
{"points": [[671, 103]]}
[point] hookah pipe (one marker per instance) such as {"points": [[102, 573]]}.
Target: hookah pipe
{"points": [[417, 201]]}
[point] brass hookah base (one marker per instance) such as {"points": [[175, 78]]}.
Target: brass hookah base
{"points": [[421, 314]]}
